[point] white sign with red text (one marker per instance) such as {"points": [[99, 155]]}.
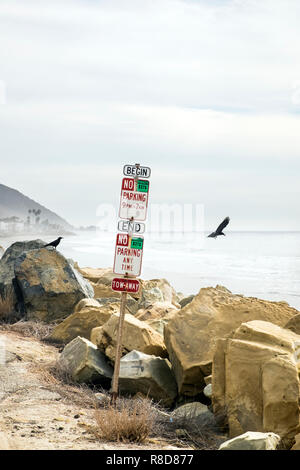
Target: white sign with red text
{"points": [[128, 255], [134, 199]]}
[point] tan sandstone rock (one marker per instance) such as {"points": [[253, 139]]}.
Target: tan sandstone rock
{"points": [[157, 290], [83, 303], [85, 363], [255, 383], [50, 286], [294, 324], [157, 315], [147, 374], [92, 274], [252, 441], [101, 291], [137, 335], [190, 410], [191, 335], [83, 320], [156, 311]]}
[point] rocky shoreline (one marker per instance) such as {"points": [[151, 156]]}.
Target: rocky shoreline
{"points": [[224, 357]]}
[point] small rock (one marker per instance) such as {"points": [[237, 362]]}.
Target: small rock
{"points": [[190, 410], [208, 391], [181, 433], [252, 441], [102, 398]]}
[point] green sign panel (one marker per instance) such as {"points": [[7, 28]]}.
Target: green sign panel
{"points": [[137, 243], [143, 186]]}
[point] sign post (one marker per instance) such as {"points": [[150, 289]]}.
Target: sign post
{"points": [[129, 248], [115, 379]]}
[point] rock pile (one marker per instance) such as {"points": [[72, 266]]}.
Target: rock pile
{"points": [[191, 334], [239, 355], [255, 383]]}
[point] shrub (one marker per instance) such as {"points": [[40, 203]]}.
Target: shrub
{"points": [[6, 305], [129, 421]]}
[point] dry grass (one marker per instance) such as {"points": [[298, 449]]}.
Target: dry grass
{"points": [[31, 328], [58, 379], [6, 305], [129, 421], [136, 419], [201, 431]]}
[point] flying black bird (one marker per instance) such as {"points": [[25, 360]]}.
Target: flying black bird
{"points": [[220, 228], [54, 243]]}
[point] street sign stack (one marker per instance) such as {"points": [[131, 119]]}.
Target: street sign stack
{"points": [[129, 245]]}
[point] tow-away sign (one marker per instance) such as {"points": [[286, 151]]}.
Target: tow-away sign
{"points": [[134, 199], [125, 285], [128, 255]]}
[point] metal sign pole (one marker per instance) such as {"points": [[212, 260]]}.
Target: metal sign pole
{"points": [[115, 381]]}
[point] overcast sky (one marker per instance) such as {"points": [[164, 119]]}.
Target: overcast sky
{"points": [[205, 92]]}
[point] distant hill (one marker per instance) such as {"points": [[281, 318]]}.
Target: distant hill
{"points": [[14, 203]]}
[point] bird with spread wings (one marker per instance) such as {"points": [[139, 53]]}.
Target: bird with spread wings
{"points": [[220, 229]]}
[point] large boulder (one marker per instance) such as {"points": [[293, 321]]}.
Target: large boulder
{"points": [[82, 321], [137, 335], [294, 324], [131, 303], [157, 315], [156, 311], [106, 277], [7, 262], [91, 274], [87, 302], [49, 285], [192, 333], [103, 291], [149, 375], [252, 441], [85, 363], [157, 290], [255, 383]]}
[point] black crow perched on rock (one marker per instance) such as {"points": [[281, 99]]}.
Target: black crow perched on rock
{"points": [[54, 243], [220, 228]]}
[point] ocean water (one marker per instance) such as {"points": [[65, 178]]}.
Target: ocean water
{"points": [[258, 264]]}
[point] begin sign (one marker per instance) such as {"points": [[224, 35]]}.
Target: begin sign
{"points": [[133, 170]]}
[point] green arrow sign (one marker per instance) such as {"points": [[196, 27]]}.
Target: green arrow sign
{"points": [[137, 243], [143, 186]]}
